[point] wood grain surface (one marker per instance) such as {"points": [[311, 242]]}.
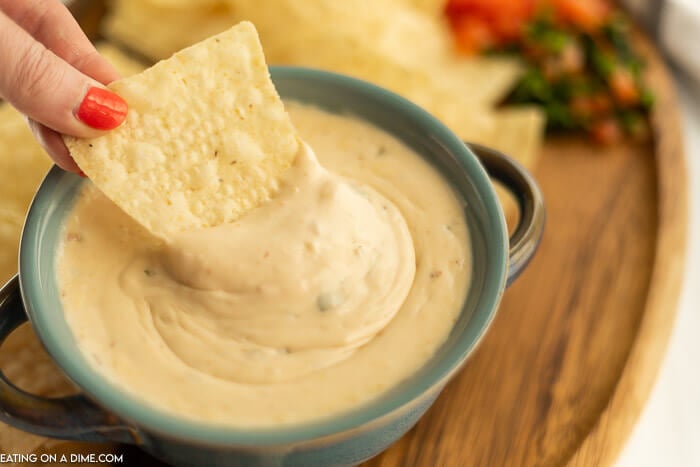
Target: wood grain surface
{"points": [[572, 356]]}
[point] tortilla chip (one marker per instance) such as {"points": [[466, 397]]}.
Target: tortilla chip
{"points": [[11, 221], [518, 133], [157, 29], [23, 164], [430, 7], [205, 140], [409, 37], [483, 81], [181, 23], [184, 3]]}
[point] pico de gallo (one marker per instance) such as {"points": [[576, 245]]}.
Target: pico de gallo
{"points": [[580, 64]]}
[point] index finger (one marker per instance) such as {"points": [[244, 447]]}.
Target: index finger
{"points": [[51, 23]]}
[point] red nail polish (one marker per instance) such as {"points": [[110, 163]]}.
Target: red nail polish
{"points": [[82, 174], [102, 109]]}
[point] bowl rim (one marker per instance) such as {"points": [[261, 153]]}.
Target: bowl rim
{"points": [[153, 420]]}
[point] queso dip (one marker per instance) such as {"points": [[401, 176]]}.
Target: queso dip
{"points": [[321, 299]]}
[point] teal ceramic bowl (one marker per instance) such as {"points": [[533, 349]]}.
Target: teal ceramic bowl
{"points": [[103, 412]]}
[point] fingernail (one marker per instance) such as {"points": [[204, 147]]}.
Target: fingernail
{"points": [[82, 174], [102, 109]]}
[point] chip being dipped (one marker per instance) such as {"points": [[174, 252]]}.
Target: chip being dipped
{"points": [[206, 138]]}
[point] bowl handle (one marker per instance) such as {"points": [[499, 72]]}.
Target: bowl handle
{"points": [[73, 417], [515, 178]]}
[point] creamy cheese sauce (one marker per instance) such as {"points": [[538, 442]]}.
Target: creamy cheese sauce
{"points": [[336, 290]]}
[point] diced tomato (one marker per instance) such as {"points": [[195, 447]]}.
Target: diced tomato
{"points": [[504, 19], [606, 131], [454, 6], [473, 35], [485, 7], [623, 87], [587, 14], [509, 27]]}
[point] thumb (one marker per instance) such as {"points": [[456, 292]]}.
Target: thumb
{"points": [[52, 92]]}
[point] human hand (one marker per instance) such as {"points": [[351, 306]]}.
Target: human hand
{"points": [[51, 72]]}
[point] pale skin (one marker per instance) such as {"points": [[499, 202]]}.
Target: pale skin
{"points": [[47, 65]]}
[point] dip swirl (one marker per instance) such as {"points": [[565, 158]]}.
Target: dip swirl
{"points": [[316, 302], [294, 286]]}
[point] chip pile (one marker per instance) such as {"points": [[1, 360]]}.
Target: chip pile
{"points": [[402, 45]]}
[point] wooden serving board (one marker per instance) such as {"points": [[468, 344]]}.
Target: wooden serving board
{"points": [[573, 353]]}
